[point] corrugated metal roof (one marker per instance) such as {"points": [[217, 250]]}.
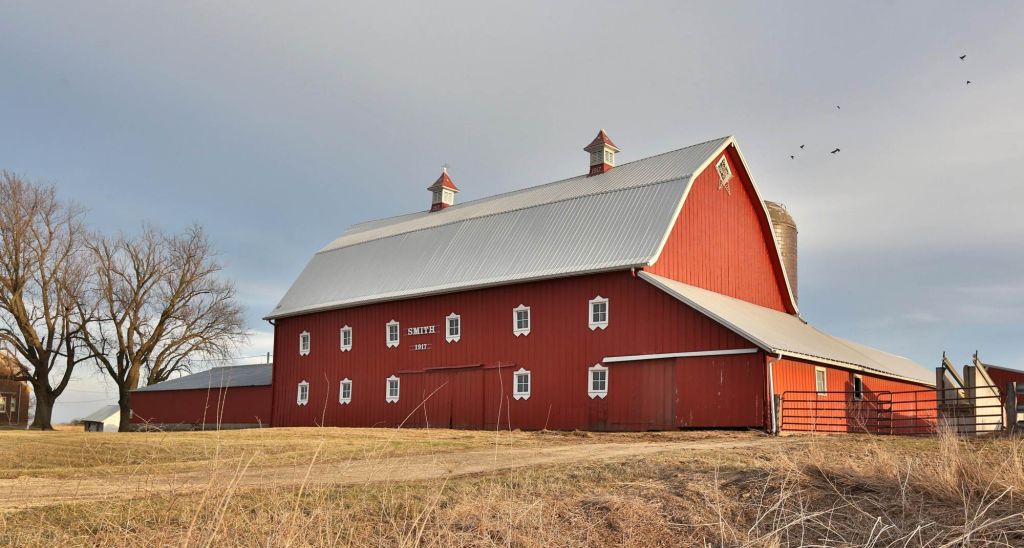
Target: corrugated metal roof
{"points": [[219, 377], [103, 413], [617, 219], [778, 332]]}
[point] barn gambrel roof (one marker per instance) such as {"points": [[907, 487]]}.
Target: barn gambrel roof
{"points": [[616, 220]]}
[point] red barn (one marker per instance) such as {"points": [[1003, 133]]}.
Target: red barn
{"points": [[643, 296], [223, 397], [15, 395]]}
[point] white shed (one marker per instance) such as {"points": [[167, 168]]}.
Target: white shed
{"points": [[104, 419]]}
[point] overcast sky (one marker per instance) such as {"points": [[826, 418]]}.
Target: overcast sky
{"points": [[276, 125]]}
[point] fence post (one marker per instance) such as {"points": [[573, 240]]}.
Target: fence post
{"points": [[971, 393], [1011, 407]]}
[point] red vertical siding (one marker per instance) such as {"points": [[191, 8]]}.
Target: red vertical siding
{"points": [[558, 351], [1002, 377], [722, 391], [242, 405], [722, 241], [910, 406], [20, 393]]}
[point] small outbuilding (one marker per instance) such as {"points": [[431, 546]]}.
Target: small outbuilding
{"points": [[15, 395], [219, 398], [104, 419]]}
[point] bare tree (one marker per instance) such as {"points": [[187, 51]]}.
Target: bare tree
{"points": [[43, 275], [159, 304]]}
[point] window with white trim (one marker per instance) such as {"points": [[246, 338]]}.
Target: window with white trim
{"points": [[304, 343], [598, 313], [392, 334], [391, 396], [858, 387], [346, 338], [521, 384], [453, 327], [724, 171], [302, 394], [597, 381], [521, 320], [345, 391], [820, 381]]}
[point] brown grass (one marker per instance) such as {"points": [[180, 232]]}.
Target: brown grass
{"points": [[824, 491]]}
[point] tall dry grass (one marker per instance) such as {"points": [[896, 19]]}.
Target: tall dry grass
{"points": [[822, 491]]}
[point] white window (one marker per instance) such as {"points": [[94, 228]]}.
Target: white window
{"points": [[391, 396], [304, 343], [345, 392], [302, 396], [346, 338], [453, 327], [597, 385], [392, 334], [609, 157], [521, 384], [724, 172], [3, 403], [820, 384], [598, 313], [521, 320], [858, 387]]}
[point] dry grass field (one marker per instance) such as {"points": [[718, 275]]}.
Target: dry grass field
{"points": [[305, 487]]}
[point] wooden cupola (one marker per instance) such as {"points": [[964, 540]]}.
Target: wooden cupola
{"points": [[602, 153], [442, 192]]}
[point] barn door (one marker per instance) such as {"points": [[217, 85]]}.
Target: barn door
{"points": [[640, 396], [437, 400]]}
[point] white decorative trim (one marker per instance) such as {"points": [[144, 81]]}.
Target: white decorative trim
{"points": [[305, 343], [516, 394], [447, 328], [639, 357], [591, 391], [341, 391], [516, 330], [299, 399], [341, 338], [387, 334], [387, 389], [590, 313]]}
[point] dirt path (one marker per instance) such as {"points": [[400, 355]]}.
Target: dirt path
{"points": [[24, 493]]}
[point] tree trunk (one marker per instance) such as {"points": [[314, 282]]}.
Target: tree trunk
{"points": [[124, 400], [44, 411]]}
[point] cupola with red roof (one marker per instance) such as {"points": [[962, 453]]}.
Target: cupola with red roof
{"points": [[442, 191], [602, 153]]}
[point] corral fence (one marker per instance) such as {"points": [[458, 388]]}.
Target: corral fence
{"points": [[974, 410]]}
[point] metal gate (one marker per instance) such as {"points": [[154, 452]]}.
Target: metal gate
{"points": [[967, 411]]}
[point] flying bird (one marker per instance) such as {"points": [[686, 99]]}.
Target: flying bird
{"points": [[791, 157], [968, 82], [834, 151], [837, 107], [802, 146], [963, 57]]}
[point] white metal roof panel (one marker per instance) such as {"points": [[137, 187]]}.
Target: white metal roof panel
{"points": [[584, 224], [779, 332], [103, 413], [235, 376]]}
